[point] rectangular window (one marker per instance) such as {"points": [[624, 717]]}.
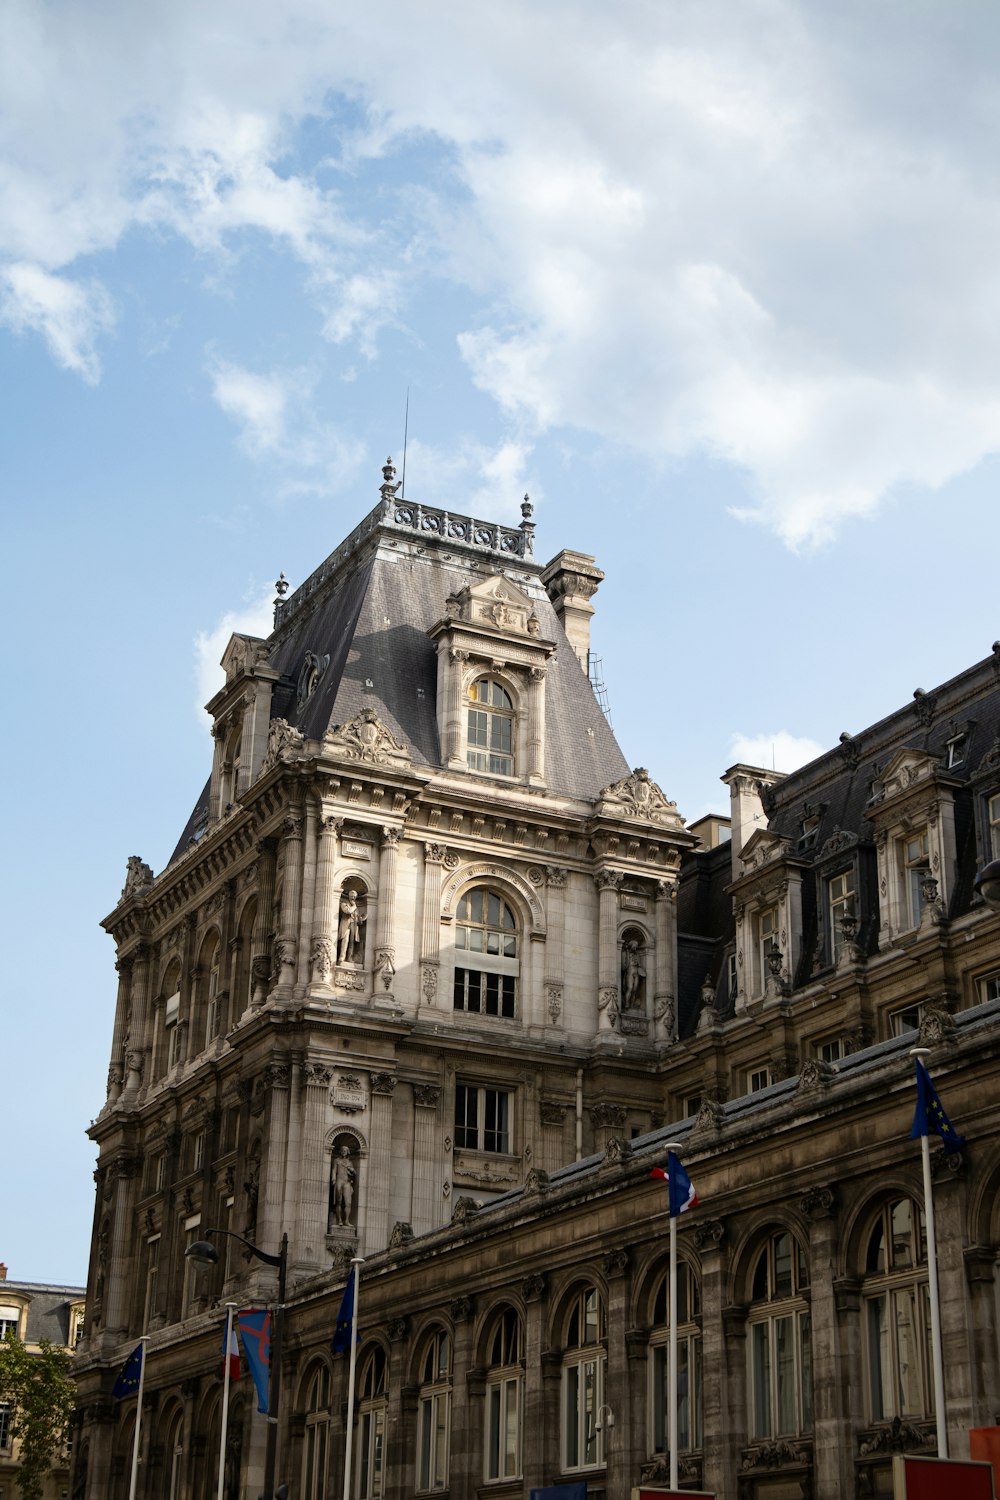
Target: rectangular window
{"points": [[767, 943], [688, 1395], [152, 1269], [692, 1104], [832, 1050], [781, 1375], [198, 1154], [840, 904], [212, 1005], [188, 1289], [989, 988], [482, 1119], [159, 1173], [955, 751], [899, 1354], [583, 1444], [370, 1456], [757, 1079], [906, 1019], [915, 864], [4, 1426], [993, 817], [9, 1323], [434, 1411], [484, 992], [503, 1428], [731, 976]]}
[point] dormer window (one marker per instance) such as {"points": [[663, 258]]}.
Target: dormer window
{"points": [[955, 751], [810, 828], [993, 820], [916, 867], [490, 745]]}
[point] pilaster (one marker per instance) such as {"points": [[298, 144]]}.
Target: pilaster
{"points": [[323, 951], [430, 926], [385, 951], [291, 897], [379, 1163], [608, 883]]}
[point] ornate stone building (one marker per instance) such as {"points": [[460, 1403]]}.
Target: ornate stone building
{"points": [[432, 977], [35, 1311]]}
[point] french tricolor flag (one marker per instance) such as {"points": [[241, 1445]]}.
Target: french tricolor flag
{"points": [[680, 1189], [230, 1352]]}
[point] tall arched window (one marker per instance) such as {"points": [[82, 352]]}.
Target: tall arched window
{"points": [[372, 1406], [779, 1341], [504, 1385], [897, 1314], [435, 1413], [486, 963], [490, 728], [583, 1381], [173, 1454], [317, 1435], [688, 1362]]}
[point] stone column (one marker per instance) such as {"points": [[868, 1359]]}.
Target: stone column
{"points": [[385, 951], [138, 1043], [260, 942], [272, 1199], [454, 729], [425, 1185], [467, 1390], [723, 1342], [98, 1434], [536, 726], [323, 953], [607, 882], [308, 897], [623, 1441], [956, 1333], [833, 1469], [664, 1000], [555, 944], [120, 1278], [314, 1168], [379, 1164], [542, 1372], [401, 1419], [291, 895], [116, 1072], [980, 1271], [430, 929]]}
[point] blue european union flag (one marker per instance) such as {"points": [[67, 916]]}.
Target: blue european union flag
{"points": [[129, 1375], [929, 1114], [341, 1341]]}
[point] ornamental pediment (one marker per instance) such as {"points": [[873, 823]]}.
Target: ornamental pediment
{"points": [[494, 604], [638, 796], [365, 738], [764, 847], [907, 769], [242, 653]]}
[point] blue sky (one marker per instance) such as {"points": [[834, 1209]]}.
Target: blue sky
{"points": [[719, 286]]}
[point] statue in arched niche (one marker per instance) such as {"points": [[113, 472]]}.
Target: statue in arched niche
{"points": [[351, 926], [633, 970], [343, 1183]]}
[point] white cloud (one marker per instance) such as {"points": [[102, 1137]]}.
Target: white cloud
{"points": [[256, 403], [778, 751], [768, 234], [68, 314], [255, 618], [471, 477]]}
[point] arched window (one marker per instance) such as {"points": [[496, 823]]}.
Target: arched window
{"points": [[583, 1382], [173, 1452], [490, 728], [372, 1406], [169, 1044], [897, 1314], [486, 963], [688, 1363], [504, 1385], [779, 1341], [207, 1006], [317, 1435], [435, 1414]]}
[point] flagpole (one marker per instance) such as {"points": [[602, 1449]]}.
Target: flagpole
{"points": [[937, 1356], [230, 1306], [672, 1354], [144, 1340], [356, 1263]]}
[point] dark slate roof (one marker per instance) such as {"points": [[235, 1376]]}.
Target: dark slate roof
{"points": [[48, 1309], [370, 611], [705, 927]]}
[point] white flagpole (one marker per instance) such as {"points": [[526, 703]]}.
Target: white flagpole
{"points": [[356, 1265], [937, 1357], [672, 1146], [144, 1340], [230, 1307]]}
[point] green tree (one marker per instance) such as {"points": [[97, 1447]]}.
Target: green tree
{"points": [[40, 1392]]}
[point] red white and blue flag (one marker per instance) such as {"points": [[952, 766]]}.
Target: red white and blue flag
{"points": [[680, 1189], [230, 1351]]}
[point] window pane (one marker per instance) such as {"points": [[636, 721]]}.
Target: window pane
{"points": [[493, 1398], [572, 1417], [761, 1368], [590, 1404], [902, 1234], [512, 1390], [784, 1358], [909, 1391], [805, 1366], [661, 1421], [782, 1265]]}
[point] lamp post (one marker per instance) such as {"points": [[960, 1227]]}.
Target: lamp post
{"points": [[987, 883], [205, 1253]]}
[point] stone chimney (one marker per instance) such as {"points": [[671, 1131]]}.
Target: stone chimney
{"points": [[3, 1271], [572, 579], [746, 808]]}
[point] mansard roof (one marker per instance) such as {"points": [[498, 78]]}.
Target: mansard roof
{"points": [[364, 617]]}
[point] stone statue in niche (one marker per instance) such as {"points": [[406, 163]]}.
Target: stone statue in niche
{"points": [[342, 1180], [350, 928], [633, 972]]}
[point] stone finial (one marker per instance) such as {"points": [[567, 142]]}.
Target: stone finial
{"points": [[281, 585], [390, 484]]}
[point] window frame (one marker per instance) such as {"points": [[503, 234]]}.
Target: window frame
{"points": [[689, 1356], [992, 801], [373, 1409], [838, 906], [466, 1089], [502, 1460], [583, 1362], [913, 869], [493, 720], [487, 975], [434, 1414], [316, 1435], [768, 1359], [885, 1285]]}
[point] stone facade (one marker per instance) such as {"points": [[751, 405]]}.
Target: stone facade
{"points": [[433, 976], [33, 1312]]}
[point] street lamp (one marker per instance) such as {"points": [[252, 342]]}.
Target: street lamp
{"points": [[987, 883], [204, 1253]]}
